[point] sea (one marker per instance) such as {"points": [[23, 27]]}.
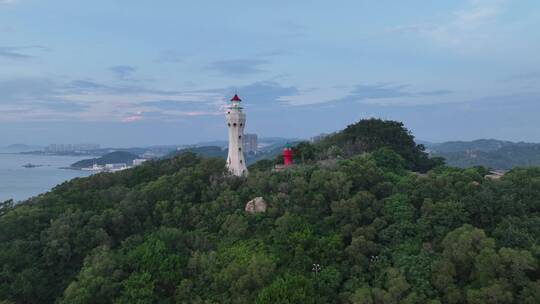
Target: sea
{"points": [[20, 183]]}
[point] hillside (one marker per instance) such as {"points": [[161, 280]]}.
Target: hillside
{"points": [[267, 153], [205, 151], [367, 136], [347, 228], [484, 145], [117, 157], [15, 148], [495, 154]]}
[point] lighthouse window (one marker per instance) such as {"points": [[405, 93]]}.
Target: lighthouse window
{"points": [[241, 125], [229, 124], [240, 161], [234, 124], [239, 149], [239, 136]]}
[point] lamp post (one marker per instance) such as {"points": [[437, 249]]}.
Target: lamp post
{"points": [[316, 269]]}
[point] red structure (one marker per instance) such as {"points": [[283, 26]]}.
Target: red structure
{"points": [[236, 98], [287, 156]]}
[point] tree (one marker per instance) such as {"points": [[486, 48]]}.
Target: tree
{"points": [[175, 231], [362, 296], [368, 135], [138, 289], [290, 289]]}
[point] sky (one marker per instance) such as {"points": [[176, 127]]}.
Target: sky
{"points": [[132, 73]]}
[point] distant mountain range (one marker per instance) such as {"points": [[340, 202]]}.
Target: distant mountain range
{"points": [[264, 142], [15, 148], [492, 153], [270, 151]]}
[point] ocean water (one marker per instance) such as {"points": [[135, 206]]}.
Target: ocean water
{"points": [[19, 183]]}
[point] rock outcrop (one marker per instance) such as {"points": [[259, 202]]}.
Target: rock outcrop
{"points": [[256, 205]]}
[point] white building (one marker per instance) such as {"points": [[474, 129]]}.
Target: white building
{"points": [[236, 121], [138, 161], [250, 143]]}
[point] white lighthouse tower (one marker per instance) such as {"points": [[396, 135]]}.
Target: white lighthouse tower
{"points": [[236, 121]]}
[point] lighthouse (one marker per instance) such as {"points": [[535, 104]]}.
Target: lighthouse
{"points": [[236, 121], [287, 156]]}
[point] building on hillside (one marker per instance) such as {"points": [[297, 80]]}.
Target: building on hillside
{"points": [[250, 143], [236, 122], [138, 161], [496, 174], [287, 160], [287, 156], [56, 148], [319, 137]]}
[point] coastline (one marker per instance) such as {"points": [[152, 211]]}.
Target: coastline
{"points": [[20, 183]]}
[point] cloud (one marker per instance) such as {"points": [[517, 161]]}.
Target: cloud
{"points": [[467, 27], [25, 89], [88, 86], [162, 116], [171, 56], [133, 118], [6, 29], [207, 106], [238, 67], [471, 27], [89, 100], [435, 93], [258, 97], [83, 85], [29, 98], [8, 2], [478, 12], [19, 52], [274, 53], [13, 53], [59, 105], [523, 76], [263, 92], [123, 72], [366, 93], [166, 104]]}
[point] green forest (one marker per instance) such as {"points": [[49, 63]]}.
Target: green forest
{"points": [[495, 154], [364, 217]]}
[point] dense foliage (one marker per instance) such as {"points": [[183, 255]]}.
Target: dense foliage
{"points": [[505, 157], [265, 153], [369, 135], [175, 231], [484, 145]]}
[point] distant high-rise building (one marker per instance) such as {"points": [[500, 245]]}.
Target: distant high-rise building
{"points": [[319, 137], [236, 121], [56, 148], [250, 143]]}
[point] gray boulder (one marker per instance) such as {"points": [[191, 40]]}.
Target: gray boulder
{"points": [[256, 205]]}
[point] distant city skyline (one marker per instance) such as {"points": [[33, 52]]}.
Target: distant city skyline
{"points": [[124, 73]]}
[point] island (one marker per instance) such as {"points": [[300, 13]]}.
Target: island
{"points": [[111, 162]]}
